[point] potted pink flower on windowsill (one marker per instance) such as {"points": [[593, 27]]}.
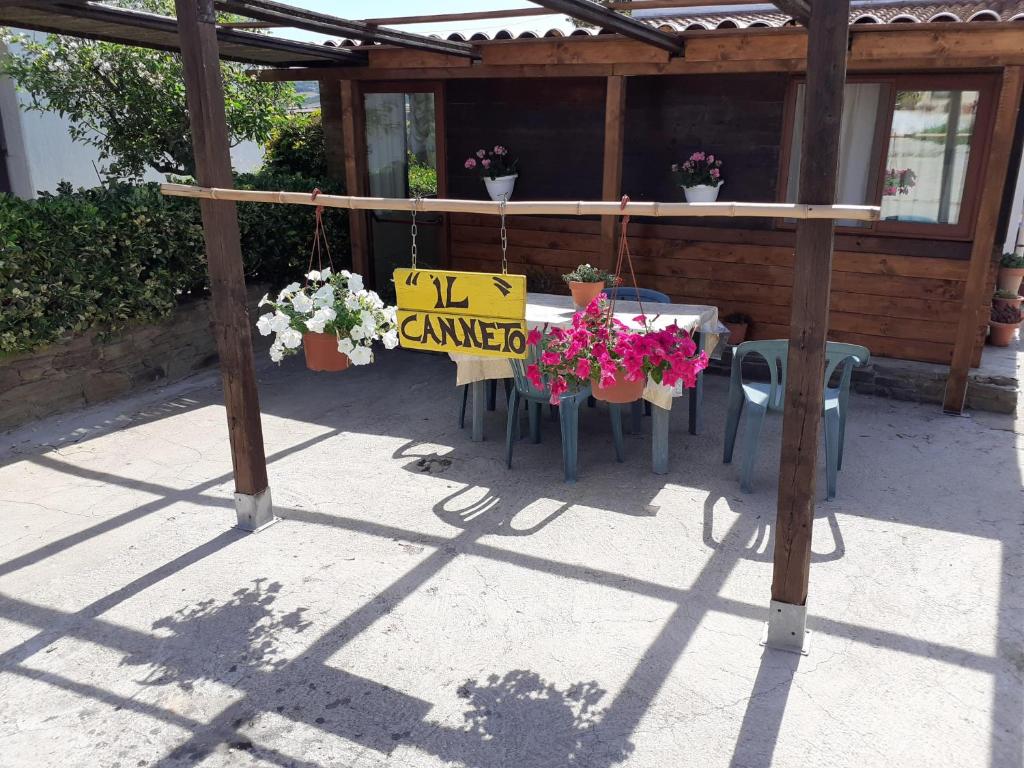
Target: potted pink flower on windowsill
{"points": [[498, 170], [700, 176]]}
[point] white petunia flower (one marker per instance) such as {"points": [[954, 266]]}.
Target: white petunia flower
{"points": [[325, 274], [390, 339], [361, 355], [324, 296], [352, 302], [265, 324], [314, 276], [302, 303], [280, 322], [345, 346], [357, 332], [287, 291], [319, 319], [375, 300], [265, 300], [276, 352], [290, 338], [355, 282]]}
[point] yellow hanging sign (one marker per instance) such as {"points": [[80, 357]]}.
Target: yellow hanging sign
{"points": [[474, 313]]}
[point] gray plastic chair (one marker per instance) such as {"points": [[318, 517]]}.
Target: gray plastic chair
{"points": [[757, 398], [568, 416]]}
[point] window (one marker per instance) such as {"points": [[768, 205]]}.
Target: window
{"points": [[401, 144], [929, 150], [908, 145]]}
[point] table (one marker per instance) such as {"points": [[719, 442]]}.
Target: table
{"points": [[557, 311]]}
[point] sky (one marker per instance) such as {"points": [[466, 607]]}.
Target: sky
{"points": [[360, 9]]}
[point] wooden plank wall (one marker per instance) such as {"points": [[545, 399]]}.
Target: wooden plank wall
{"points": [[902, 306]]}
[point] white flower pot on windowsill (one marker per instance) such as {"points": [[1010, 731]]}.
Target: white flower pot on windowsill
{"points": [[702, 193], [501, 187]]}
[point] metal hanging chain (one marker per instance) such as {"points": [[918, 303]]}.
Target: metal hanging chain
{"points": [[415, 207], [504, 238]]}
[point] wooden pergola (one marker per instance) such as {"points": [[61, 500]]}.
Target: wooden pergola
{"points": [[202, 42]]}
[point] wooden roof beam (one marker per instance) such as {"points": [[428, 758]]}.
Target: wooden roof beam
{"points": [[268, 10], [592, 13], [798, 9]]}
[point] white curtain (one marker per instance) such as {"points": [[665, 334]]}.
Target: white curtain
{"points": [[861, 111], [386, 144]]}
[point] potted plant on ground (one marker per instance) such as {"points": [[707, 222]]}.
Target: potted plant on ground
{"points": [[618, 361], [497, 169], [700, 176], [1011, 270], [586, 283], [1006, 298], [738, 325], [1005, 320], [332, 317]]}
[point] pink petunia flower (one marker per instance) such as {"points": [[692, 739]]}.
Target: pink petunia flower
{"points": [[551, 358], [583, 368], [715, 173], [533, 337], [486, 163], [499, 150], [481, 153], [470, 163]]}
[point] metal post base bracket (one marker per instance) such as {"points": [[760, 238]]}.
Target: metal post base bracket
{"points": [[786, 628], [255, 512]]}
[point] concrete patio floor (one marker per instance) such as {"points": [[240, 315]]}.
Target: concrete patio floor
{"points": [[420, 605]]}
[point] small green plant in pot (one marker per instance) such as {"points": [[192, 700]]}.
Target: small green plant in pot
{"points": [[1004, 322], [1011, 271], [586, 283], [738, 325]]}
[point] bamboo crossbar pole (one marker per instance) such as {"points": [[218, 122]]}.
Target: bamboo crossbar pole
{"points": [[534, 208]]}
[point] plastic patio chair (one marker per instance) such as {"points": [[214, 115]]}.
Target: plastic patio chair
{"points": [[492, 396], [625, 293], [757, 398], [568, 416]]}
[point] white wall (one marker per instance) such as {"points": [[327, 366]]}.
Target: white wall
{"points": [[41, 154]]}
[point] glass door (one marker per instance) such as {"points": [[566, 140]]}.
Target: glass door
{"points": [[403, 159]]}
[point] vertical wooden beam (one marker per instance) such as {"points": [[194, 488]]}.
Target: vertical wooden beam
{"points": [[611, 179], [812, 270], [354, 148], [231, 324], [334, 140], [984, 239]]}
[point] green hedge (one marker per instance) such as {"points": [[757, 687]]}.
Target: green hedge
{"points": [[110, 256]]}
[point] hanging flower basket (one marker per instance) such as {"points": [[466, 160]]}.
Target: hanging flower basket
{"points": [[322, 352], [497, 168]]}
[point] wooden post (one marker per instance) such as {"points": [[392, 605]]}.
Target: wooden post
{"points": [[231, 324], [611, 181], [812, 270], [967, 331], [355, 173], [334, 140]]}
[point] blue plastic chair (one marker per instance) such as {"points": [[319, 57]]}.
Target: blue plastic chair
{"points": [[568, 414], [757, 398], [625, 293], [492, 396]]}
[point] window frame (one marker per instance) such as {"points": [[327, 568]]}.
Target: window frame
{"points": [[984, 84]]}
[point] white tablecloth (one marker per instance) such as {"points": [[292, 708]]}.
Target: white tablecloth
{"points": [[557, 311]]}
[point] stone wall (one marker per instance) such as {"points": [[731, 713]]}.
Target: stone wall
{"points": [[93, 367]]}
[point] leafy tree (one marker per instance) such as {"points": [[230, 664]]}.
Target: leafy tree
{"points": [[297, 145], [129, 102]]}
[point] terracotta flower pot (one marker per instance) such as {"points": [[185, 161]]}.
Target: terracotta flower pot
{"points": [[584, 293], [1010, 278], [1015, 303], [623, 391], [322, 352], [737, 332], [1000, 336]]}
